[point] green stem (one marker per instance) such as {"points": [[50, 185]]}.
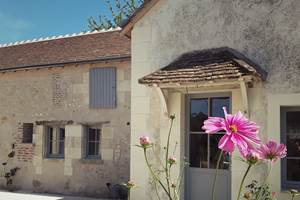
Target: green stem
{"points": [[216, 174], [167, 157], [243, 180], [180, 177], [154, 175], [176, 194], [293, 196], [128, 194], [156, 191], [264, 182]]}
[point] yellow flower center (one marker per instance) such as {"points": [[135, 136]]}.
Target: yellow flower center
{"points": [[233, 128]]}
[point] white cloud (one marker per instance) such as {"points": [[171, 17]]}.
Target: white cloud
{"points": [[12, 28]]}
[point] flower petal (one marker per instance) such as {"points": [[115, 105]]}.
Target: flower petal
{"points": [[226, 144], [213, 125]]}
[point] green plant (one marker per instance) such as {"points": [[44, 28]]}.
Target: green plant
{"points": [[119, 10], [129, 185], [9, 174], [243, 134], [254, 190], [294, 193], [162, 176]]}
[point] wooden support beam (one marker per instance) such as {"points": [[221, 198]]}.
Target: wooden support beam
{"points": [[163, 95], [244, 92]]}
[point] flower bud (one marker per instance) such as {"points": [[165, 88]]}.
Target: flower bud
{"points": [[252, 159], [130, 184], [172, 160], [145, 141], [172, 117], [294, 192]]}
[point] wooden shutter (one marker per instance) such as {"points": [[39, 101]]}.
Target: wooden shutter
{"points": [[103, 87]]}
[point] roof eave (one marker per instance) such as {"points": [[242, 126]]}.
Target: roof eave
{"points": [[102, 59], [243, 60], [219, 82], [128, 24]]}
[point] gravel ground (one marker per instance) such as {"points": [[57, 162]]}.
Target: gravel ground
{"points": [[27, 196]]}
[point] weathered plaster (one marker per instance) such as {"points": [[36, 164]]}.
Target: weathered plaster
{"points": [[266, 31]]}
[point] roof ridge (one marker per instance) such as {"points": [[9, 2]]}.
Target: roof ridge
{"points": [[58, 37]]}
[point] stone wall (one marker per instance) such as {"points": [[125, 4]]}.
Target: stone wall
{"points": [[62, 94], [266, 31]]}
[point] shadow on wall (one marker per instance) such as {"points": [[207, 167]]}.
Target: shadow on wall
{"points": [[35, 196], [117, 191]]}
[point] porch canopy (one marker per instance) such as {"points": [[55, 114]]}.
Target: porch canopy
{"points": [[218, 65], [211, 69]]}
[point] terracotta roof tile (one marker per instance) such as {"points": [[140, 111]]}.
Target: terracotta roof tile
{"points": [[84, 47], [205, 65]]}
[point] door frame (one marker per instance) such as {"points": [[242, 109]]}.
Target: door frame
{"points": [[186, 135]]}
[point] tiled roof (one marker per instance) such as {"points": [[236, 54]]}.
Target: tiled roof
{"points": [[90, 46], [205, 65]]}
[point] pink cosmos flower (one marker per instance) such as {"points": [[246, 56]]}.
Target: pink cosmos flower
{"points": [[145, 141], [272, 151], [240, 131]]}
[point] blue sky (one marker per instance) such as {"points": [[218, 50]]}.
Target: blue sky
{"points": [[29, 19]]}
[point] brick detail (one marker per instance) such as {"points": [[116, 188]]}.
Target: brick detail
{"points": [[59, 90], [24, 152]]}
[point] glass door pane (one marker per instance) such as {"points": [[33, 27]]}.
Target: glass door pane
{"points": [[217, 105], [216, 110], [198, 114], [198, 150], [214, 153]]}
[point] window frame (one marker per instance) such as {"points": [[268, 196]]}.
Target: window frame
{"points": [[58, 155], [285, 184], [86, 155]]}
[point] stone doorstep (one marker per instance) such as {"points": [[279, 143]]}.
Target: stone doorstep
{"points": [[22, 195]]}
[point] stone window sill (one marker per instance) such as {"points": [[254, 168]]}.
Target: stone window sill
{"points": [[54, 159], [91, 161]]}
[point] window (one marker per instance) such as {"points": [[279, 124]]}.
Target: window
{"points": [[290, 130], [103, 87], [55, 142], [93, 143], [27, 132], [203, 148]]}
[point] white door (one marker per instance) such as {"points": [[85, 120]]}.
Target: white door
{"points": [[202, 149]]}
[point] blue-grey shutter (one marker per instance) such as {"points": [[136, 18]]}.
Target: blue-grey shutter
{"points": [[103, 87]]}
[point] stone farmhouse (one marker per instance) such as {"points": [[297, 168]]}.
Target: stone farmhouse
{"points": [[192, 57], [73, 107], [65, 111]]}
